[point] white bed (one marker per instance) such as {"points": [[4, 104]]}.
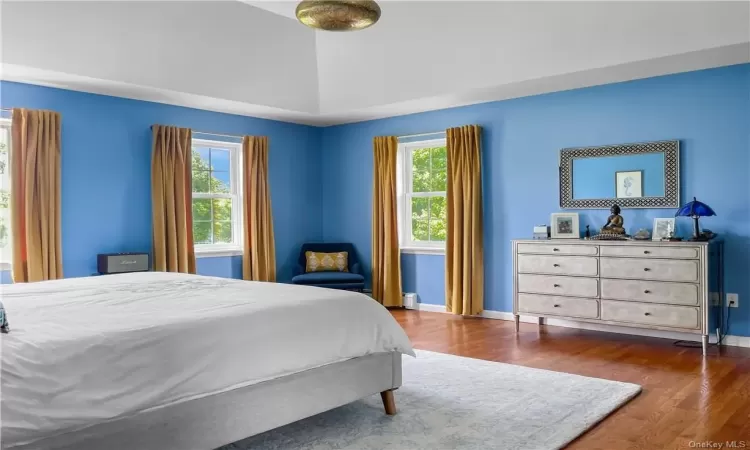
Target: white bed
{"points": [[173, 361]]}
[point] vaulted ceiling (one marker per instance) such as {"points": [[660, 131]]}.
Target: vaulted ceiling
{"points": [[253, 58]]}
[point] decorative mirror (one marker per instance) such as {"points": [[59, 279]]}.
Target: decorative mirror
{"points": [[645, 175]]}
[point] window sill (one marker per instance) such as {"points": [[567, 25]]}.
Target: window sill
{"points": [[423, 250], [217, 253]]}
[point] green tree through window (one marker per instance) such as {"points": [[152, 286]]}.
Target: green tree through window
{"points": [[5, 244], [213, 196], [425, 193]]}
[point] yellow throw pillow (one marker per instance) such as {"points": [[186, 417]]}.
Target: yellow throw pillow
{"points": [[327, 262]]}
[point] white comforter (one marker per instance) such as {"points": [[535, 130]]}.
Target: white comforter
{"points": [[86, 350]]}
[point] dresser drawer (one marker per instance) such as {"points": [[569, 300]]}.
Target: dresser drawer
{"points": [[558, 285], [649, 269], [559, 249], [559, 265], [558, 306], [650, 251], [650, 314], [650, 291]]}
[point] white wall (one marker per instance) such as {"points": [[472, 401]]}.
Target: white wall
{"points": [[470, 45], [225, 50]]}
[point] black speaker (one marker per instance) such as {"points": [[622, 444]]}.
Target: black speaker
{"points": [[109, 263]]}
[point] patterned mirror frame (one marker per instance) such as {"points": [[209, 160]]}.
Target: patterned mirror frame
{"points": [[671, 198]]}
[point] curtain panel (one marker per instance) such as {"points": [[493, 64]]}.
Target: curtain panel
{"points": [[171, 198], [259, 255], [35, 195], [386, 255], [464, 260]]}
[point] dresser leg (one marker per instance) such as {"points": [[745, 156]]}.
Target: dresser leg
{"points": [[518, 320], [705, 343]]}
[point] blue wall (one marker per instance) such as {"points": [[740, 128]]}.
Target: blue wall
{"points": [[106, 174], [595, 177], [321, 179], [709, 111]]}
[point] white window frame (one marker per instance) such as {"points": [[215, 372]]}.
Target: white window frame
{"points": [[6, 257], [235, 194], [403, 188]]}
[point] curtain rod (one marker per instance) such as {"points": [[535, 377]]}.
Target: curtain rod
{"points": [[421, 134], [235, 136]]}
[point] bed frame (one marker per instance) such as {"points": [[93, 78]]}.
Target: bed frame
{"points": [[210, 422]]}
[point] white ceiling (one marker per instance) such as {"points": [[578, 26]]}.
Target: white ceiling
{"points": [[282, 8], [253, 58], [223, 50]]}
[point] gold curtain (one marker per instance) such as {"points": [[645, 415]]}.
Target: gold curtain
{"points": [[171, 198], [35, 195], [464, 271], [259, 255], [386, 258]]}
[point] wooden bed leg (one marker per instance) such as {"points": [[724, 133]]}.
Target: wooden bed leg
{"points": [[389, 402]]}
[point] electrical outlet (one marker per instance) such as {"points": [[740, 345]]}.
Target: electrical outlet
{"points": [[733, 300], [714, 296]]}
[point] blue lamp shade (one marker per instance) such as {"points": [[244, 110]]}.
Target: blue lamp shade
{"points": [[695, 208]]}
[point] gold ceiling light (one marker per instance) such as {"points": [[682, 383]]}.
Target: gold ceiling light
{"points": [[342, 15]]}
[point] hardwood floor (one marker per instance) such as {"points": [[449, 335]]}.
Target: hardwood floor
{"points": [[685, 397]]}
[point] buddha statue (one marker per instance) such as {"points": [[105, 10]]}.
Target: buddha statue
{"points": [[615, 222]]}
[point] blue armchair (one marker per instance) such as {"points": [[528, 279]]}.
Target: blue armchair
{"points": [[334, 280]]}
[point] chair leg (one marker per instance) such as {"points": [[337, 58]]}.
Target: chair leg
{"points": [[389, 402]]}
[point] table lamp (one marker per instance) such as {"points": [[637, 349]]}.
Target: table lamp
{"points": [[695, 209]]}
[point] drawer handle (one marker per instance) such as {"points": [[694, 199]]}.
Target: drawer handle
{"points": [[556, 306], [555, 265], [555, 249], [556, 285], [646, 314], [646, 269], [646, 291], [646, 252]]}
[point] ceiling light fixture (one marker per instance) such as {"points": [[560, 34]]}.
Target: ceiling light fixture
{"points": [[342, 15]]}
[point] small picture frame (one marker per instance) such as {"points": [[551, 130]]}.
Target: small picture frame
{"points": [[663, 228], [629, 184], [565, 226]]}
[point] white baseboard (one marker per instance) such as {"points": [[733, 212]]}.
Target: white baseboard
{"points": [[430, 308], [735, 341]]}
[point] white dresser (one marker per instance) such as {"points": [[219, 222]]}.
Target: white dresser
{"points": [[645, 284]]}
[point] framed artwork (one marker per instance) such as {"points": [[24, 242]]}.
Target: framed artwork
{"points": [[662, 228], [565, 226], [629, 184]]}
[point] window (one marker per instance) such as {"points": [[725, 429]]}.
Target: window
{"points": [[217, 202], [422, 203], [6, 257]]}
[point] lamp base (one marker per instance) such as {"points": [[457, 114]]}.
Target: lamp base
{"points": [[698, 239], [696, 230]]}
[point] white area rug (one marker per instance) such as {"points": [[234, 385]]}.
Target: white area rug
{"points": [[449, 402]]}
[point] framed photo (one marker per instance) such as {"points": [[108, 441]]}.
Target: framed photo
{"points": [[662, 229], [565, 226], [629, 184]]}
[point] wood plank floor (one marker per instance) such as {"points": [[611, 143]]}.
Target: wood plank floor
{"points": [[685, 397]]}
